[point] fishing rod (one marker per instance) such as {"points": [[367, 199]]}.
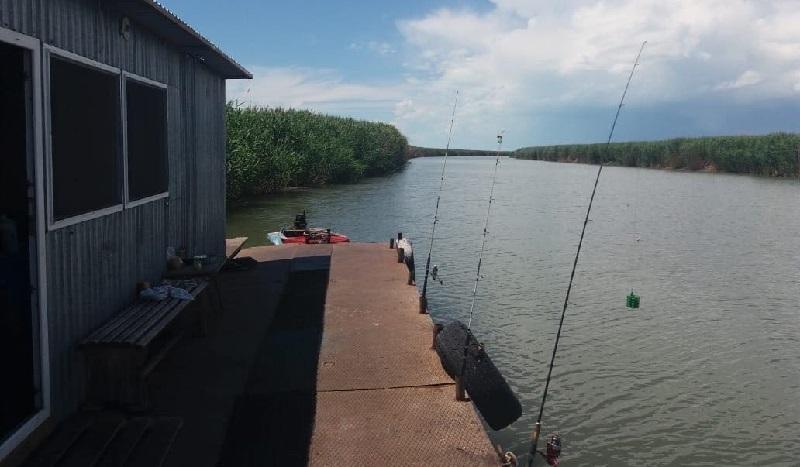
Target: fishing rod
{"points": [[538, 427], [485, 229], [423, 299]]}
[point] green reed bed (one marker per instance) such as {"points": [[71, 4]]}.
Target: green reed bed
{"points": [[774, 154], [270, 149]]}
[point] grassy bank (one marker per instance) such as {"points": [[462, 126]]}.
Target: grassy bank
{"points": [[270, 149], [774, 155], [416, 151]]}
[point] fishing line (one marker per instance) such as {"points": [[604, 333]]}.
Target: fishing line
{"points": [[485, 229], [424, 297], [538, 426]]}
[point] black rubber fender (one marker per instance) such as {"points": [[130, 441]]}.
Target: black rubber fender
{"points": [[484, 383]]}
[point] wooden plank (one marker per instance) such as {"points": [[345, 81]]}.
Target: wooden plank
{"points": [[233, 246], [60, 442], [120, 321], [122, 446], [154, 447], [154, 326], [89, 448], [145, 320]]}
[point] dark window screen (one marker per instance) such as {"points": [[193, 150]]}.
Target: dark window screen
{"points": [[147, 133], [84, 107]]}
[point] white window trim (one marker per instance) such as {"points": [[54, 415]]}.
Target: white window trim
{"points": [[22, 433], [54, 224], [124, 107]]}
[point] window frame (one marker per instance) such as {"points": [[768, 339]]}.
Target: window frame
{"points": [[48, 52], [124, 107], [21, 433]]}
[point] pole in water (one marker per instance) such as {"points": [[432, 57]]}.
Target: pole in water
{"points": [[423, 298], [538, 427]]}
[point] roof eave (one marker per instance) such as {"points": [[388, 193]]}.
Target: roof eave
{"points": [[167, 25]]}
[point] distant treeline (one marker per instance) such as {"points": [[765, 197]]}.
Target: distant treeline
{"points": [[774, 154], [270, 149], [416, 151]]}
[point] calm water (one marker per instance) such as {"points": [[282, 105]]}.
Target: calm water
{"points": [[706, 372]]}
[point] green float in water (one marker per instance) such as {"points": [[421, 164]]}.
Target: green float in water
{"points": [[632, 300]]}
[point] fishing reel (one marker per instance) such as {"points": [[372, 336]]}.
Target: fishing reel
{"points": [[435, 274]]}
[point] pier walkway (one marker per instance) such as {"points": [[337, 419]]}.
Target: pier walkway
{"points": [[318, 357], [380, 395]]}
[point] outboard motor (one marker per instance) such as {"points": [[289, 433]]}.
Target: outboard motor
{"points": [[300, 221]]}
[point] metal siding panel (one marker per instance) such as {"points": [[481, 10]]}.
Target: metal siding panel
{"points": [[93, 266], [93, 269], [22, 16]]}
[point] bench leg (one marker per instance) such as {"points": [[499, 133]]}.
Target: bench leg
{"points": [[218, 293], [204, 311]]}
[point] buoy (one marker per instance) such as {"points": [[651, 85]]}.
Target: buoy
{"points": [[632, 300]]}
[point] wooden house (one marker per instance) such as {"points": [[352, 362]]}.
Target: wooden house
{"points": [[112, 149]]}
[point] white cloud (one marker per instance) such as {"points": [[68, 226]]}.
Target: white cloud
{"points": [[526, 58], [320, 90], [523, 60], [748, 78]]}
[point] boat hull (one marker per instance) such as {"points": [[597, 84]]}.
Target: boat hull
{"points": [[308, 237]]}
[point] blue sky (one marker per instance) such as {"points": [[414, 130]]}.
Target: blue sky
{"points": [[546, 72]]}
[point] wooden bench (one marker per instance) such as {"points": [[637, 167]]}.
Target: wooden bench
{"points": [[122, 353]]}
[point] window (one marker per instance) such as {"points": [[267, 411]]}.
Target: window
{"points": [[107, 146], [146, 125], [85, 156]]}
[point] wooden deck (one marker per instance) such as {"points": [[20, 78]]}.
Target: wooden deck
{"points": [[381, 389], [381, 395], [320, 358]]}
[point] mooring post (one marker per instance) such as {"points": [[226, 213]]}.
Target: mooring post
{"points": [[460, 392], [423, 304], [437, 328]]}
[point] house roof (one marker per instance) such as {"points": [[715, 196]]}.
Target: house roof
{"points": [[166, 24]]}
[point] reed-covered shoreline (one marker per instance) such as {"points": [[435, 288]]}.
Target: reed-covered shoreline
{"points": [[418, 151], [272, 149], [775, 154]]}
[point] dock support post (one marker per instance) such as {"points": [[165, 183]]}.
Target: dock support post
{"points": [[437, 328], [423, 305], [460, 392]]}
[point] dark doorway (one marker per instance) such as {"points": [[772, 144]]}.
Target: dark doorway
{"points": [[19, 399]]}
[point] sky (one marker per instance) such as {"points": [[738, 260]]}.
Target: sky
{"points": [[542, 71]]}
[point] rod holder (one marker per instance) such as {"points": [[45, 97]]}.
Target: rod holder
{"points": [[437, 328], [461, 394]]}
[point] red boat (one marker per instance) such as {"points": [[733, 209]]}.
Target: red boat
{"points": [[301, 233], [312, 236]]}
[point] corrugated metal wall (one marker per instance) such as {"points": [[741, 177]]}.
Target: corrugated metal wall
{"points": [[93, 266]]}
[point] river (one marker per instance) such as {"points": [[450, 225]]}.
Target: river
{"points": [[706, 372]]}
